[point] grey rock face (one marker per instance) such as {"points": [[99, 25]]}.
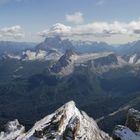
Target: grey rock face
{"points": [[104, 61], [63, 62], [133, 120]]}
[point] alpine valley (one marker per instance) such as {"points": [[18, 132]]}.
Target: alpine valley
{"points": [[101, 79]]}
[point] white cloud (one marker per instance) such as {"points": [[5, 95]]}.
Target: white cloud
{"points": [[56, 29], [13, 32], [75, 18], [100, 30]]}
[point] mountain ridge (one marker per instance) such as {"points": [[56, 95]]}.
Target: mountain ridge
{"points": [[66, 123]]}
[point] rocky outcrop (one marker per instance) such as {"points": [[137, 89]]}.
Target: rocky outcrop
{"points": [[65, 64], [133, 120], [12, 130], [132, 129], [105, 61], [67, 123]]}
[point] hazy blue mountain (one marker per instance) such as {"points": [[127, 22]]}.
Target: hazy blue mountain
{"points": [[55, 43], [88, 47], [129, 48], [14, 47]]}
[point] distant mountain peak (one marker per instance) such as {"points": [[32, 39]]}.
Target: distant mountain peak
{"points": [[56, 38], [55, 42]]}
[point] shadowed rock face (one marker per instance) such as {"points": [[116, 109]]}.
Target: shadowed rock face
{"points": [[109, 60], [63, 62], [132, 129], [67, 123], [72, 130], [133, 120]]}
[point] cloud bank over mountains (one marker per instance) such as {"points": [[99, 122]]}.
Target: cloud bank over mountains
{"points": [[99, 31], [95, 29]]}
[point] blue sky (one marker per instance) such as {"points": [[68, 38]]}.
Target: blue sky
{"points": [[25, 20]]}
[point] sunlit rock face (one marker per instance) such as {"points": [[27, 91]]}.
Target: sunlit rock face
{"points": [[66, 123]]}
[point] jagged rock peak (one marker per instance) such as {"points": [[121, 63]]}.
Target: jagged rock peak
{"points": [[65, 64], [66, 123]]}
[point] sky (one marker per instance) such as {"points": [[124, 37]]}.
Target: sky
{"points": [[112, 21]]}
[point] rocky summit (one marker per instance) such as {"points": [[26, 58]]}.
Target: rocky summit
{"points": [[66, 123]]}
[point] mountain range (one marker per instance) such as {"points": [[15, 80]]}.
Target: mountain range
{"points": [[102, 79]]}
